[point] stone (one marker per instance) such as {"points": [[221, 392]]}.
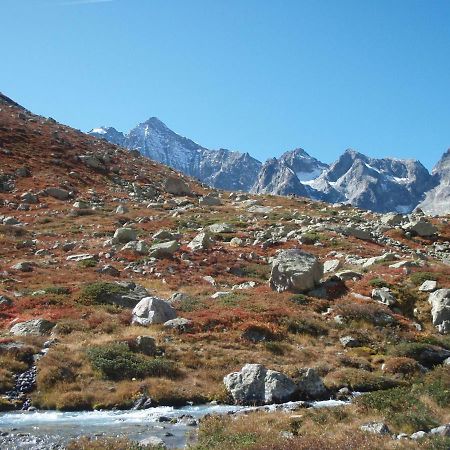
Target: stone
{"points": [[179, 324], [391, 219], [163, 235], [23, 266], [209, 200], [128, 295], [421, 228], [164, 249], [443, 430], [151, 310], [428, 286], [236, 242], [5, 301], [418, 435], [310, 385], [218, 228], [379, 259], [124, 235], [254, 384], [346, 275], [349, 342], [58, 193], [35, 327], [375, 428], [80, 257], [202, 241], [176, 186], [440, 309], [384, 295], [358, 233], [80, 204], [108, 269], [153, 442], [139, 247], [93, 162], [295, 271], [28, 197], [10, 221], [145, 345], [122, 209], [331, 265]]}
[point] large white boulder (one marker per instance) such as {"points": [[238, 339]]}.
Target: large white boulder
{"points": [[152, 310], [440, 309], [295, 270], [254, 384]]}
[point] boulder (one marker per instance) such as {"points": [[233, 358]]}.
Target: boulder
{"points": [[310, 385], [375, 428], [421, 228], [176, 186], [179, 324], [93, 162], [384, 295], [35, 327], [331, 265], [23, 266], [358, 233], [443, 430], [145, 345], [202, 241], [254, 384], [108, 269], [163, 235], [28, 197], [391, 219], [440, 309], [151, 310], [164, 249], [124, 235], [220, 228], [428, 286], [349, 342], [295, 270], [139, 247], [5, 301], [209, 200], [58, 193], [122, 209]]}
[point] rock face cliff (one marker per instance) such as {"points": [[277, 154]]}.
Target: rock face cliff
{"points": [[437, 200], [222, 168], [382, 185]]}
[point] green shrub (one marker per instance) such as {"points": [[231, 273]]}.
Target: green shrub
{"points": [[87, 263], [401, 407], [418, 278], [100, 292], [378, 283], [299, 299], [57, 290], [306, 326], [118, 362]]}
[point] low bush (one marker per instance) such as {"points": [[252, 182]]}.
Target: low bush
{"points": [[309, 326], [402, 408], [118, 362], [406, 367], [418, 278], [358, 380], [100, 292]]}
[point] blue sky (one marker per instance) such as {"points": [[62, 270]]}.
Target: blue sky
{"points": [[262, 76]]}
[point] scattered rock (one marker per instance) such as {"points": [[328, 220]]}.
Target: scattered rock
{"points": [[151, 310], [35, 327], [179, 324], [164, 249], [384, 296], [23, 266], [295, 270], [58, 193], [310, 385], [428, 286], [202, 241], [145, 345], [349, 342], [440, 309], [375, 428], [124, 235], [254, 384], [176, 186]]}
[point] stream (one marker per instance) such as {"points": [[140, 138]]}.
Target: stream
{"points": [[177, 427]]}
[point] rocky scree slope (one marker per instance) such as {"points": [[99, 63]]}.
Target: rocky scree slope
{"points": [[138, 287]]}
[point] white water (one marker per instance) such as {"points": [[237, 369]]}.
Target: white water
{"points": [[54, 427]]}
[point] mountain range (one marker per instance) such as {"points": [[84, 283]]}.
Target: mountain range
{"points": [[382, 185]]}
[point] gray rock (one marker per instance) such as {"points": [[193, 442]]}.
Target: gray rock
{"points": [[163, 235], [440, 309], [418, 435], [58, 193], [392, 219], [93, 162], [202, 241], [384, 296], [151, 310], [176, 186], [428, 286], [349, 342], [220, 228], [179, 324], [443, 430], [124, 235], [122, 209], [209, 200], [164, 249], [310, 385], [23, 266], [421, 228], [295, 270], [358, 233], [139, 247], [153, 441], [108, 269], [375, 428], [10, 221], [28, 197], [5, 301], [331, 265], [35, 327], [254, 384], [346, 275], [145, 345]]}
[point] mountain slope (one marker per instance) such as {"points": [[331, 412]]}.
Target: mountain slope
{"points": [[223, 169], [437, 200]]}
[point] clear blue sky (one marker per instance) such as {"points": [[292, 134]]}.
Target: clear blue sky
{"points": [[262, 76]]}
